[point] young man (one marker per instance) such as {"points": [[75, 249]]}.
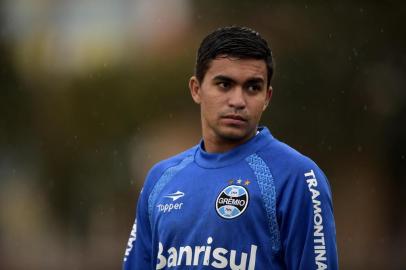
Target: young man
{"points": [[240, 199]]}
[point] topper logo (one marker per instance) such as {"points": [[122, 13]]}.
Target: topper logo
{"points": [[174, 196], [168, 207]]}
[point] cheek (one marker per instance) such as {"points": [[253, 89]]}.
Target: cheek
{"points": [[211, 105], [209, 110], [257, 108]]}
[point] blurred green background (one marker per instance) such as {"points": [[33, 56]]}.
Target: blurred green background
{"points": [[93, 92]]}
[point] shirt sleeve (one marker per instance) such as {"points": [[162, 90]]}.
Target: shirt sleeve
{"points": [[307, 225], [138, 251]]}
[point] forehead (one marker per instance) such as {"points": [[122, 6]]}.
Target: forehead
{"points": [[237, 69]]}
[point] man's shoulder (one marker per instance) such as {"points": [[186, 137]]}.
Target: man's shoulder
{"points": [[280, 156], [278, 151], [177, 160], [290, 168]]}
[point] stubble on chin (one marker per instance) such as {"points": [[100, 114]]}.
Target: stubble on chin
{"points": [[231, 134]]}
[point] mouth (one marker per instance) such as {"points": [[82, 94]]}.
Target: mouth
{"points": [[234, 119]]}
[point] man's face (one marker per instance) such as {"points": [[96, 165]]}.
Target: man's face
{"points": [[232, 97]]}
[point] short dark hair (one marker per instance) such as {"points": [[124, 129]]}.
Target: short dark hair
{"points": [[234, 41]]}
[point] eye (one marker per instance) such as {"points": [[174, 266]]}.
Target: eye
{"points": [[254, 88], [224, 85]]}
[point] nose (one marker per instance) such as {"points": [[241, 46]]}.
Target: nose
{"points": [[236, 99]]}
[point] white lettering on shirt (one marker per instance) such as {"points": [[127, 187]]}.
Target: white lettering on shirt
{"points": [[318, 233], [219, 259]]}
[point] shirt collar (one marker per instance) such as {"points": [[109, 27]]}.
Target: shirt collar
{"points": [[218, 160]]}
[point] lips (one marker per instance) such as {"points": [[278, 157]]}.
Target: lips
{"points": [[234, 120], [235, 117]]}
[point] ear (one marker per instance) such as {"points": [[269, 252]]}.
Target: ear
{"points": [[268, 97], [194, 87]]}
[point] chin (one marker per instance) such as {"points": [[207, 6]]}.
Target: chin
{"points": [[233, 134]]}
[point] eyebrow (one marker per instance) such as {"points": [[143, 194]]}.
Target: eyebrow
{"points": [[255, 80], [223, 78], [228, 79]]}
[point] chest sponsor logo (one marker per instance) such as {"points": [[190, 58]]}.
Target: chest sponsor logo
{"points": [[232, 201], [214, 257], [169, 207]]}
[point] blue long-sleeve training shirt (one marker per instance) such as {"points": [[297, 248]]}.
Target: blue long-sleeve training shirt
{"points": [[261, 205]]}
